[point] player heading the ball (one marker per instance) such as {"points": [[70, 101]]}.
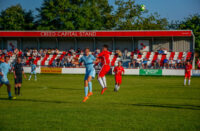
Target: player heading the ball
{"points": [[104, 58], [88, 61]]}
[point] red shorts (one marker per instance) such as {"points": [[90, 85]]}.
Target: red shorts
{"points": [[118, 79], [187, 74], [104, 70]]}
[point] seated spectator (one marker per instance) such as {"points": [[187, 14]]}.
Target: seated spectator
{"points": [[28, 54], [57, 51], [144, 63], [139, 62], [35, 53], [58, 63], [69, 60], [78, 51], [160, 51], [72, 50], [166, 63], [165, 51], [177, 63], [133, 62], [156, 64], [136, 51], [49, 51], [171, 62], [4, 51], [182, 63]]}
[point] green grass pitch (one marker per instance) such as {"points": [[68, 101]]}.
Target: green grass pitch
{"points": [[142, 103]]}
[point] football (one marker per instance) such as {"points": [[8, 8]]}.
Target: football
{"points": [[142, 7]]}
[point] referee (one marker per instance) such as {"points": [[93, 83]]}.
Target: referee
{"points": [[18, 71]]}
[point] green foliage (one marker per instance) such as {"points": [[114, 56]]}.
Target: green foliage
{"points": [[190, 23], [75, 15], [15, 18], [82, 15], [130, 17]]}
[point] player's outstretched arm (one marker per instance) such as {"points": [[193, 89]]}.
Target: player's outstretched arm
{"points": [[75, 61], [96, 61]]}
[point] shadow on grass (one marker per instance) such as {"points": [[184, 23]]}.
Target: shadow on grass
{"points": [[33, 100], [173, 106]]}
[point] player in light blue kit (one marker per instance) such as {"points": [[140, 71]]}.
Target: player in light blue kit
{"points": [[4, 70], [88, 60], [33, 71]]}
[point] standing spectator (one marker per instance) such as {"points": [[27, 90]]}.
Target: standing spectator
{"points": [[198, 63], [125, 53], [24, 61]]}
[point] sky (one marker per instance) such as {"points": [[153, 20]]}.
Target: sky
{"points": [[170, 9]]}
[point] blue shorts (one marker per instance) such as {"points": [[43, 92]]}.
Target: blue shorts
{"points": [[90, 73], [4, 82], [165, 62], [144, 62], [33, 72]]}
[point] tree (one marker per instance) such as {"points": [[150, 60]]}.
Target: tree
{"points": [[15, 18], [190, 23], [130, 17], [75, 15]]}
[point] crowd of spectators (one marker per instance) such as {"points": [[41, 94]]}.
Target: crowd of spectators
{"points": [[157, 63], [68, 57]]}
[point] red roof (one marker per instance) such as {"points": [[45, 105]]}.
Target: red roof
{"points": [[168, 33]]}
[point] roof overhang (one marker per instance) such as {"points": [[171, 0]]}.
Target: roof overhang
{"points": [[128, 33]]}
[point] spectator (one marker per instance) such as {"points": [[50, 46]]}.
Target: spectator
{"points": [[144, 63], [160, 51], [166, 63], [171, 63], [125, 53], [133, 62], [156, 64], [198, 63]]}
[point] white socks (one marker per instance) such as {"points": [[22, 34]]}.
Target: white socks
{"points": [[35, 77], [101, 82], [29, 77], [185, 82], [117, 87], [104, 81]]}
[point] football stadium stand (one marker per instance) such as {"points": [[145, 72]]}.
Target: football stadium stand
{"points": [[139, 49]]}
